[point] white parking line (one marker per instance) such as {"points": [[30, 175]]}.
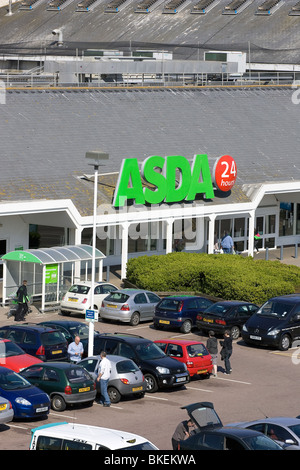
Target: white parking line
{"points": [[18, 427], [137, 328], [156, 398], [61, 415], [232, 380], [200, 389]]}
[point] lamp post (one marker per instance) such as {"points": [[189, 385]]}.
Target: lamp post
{"points": [[97, 156]]}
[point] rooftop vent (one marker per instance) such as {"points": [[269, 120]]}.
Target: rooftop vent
{"points": [[174, 6], [146, 6], [235, 7], [115, 6], [204, 6], [295, 10], [269, 7]]}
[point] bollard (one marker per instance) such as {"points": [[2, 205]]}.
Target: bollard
{"points": [[296, 250], [281, 252], [107, 273], [267, 254]]}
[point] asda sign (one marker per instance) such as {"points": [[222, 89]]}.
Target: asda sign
{"points": [[160, 174]]}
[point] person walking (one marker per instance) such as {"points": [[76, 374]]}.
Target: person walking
{"points": [[22, 299], [103, 378], [75, 350], [181, 432], [257, 237], [227, 243], [212, 347], [226, 351]]}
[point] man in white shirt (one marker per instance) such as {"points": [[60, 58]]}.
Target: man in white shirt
{"points": [[103, 377]]}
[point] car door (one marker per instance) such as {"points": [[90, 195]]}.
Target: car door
{"points": [[34, 374], [295, 323], [242, 315], [142, 306], [153, 301]]}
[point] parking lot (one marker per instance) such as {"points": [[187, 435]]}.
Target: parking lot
{"points": [[263, 383]]}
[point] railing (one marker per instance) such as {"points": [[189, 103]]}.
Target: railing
{"points": [[26, 80]]}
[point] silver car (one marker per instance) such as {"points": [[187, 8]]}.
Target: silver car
{"points": [[6, 411], [126, 378], [129, 306], [284, 430]]}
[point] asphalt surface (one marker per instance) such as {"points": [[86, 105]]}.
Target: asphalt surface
{"points": [[263, 382]]}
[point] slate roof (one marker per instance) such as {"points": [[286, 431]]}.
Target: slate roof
{"points": [[46, 133], [273, 38]]}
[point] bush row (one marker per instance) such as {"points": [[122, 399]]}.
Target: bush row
{"points": [[224, 276]]}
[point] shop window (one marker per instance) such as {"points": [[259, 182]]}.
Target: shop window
{"points": [[239, 227], [286, 219]]}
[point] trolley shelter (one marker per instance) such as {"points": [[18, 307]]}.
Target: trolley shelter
{"points": [[49, 271]]}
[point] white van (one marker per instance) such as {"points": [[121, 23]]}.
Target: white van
{"points": [[68, 436]]}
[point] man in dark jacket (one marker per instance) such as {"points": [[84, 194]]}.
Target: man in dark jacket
{"points": [[226, 351], [22, 297]]}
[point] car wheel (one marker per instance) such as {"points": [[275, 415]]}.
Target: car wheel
{"points": [[235, 332], [284, 343], [58, 403], [114, 394], [186, 327], [135, 319], [151, 383]]}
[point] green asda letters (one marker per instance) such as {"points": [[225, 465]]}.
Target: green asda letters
{"points": [[160, 174]]}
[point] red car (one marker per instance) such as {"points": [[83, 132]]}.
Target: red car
{"points": [[193, 353], [13, 357]]}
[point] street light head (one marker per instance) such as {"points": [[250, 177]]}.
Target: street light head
{"points": [[97, 156]]}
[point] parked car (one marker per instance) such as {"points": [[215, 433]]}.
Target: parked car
{"points": [[210, 433], [179, 312], [160, 371], [69, 329], [6, 411], [39, 341], [79, 296], [65, 383], [13, 357], [226, 315], [193, 353], [27, 400], [283, 430], [126, 378], [275, 324], [74, 436], [129, 306]]}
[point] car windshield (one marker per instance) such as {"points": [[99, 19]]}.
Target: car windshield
{"points": [[52, 338], [79, 289], [296, 429], [8, 349], [77, 374], [149, 351], [170, 304], [9, 380], [261, 443], [80, 330], [118, 297], [218, 309], [126, 366], [197, 350], [275, 308]]}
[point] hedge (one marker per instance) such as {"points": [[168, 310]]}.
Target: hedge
{"points": [[225, 276]]}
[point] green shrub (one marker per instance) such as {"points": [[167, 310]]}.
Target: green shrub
{"points": [[223, 276]]}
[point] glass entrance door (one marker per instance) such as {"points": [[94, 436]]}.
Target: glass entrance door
{"points": [[265, 225]]}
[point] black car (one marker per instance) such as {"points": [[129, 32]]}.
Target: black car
{"points": [[70, 329], [211, 435], [226, 315], [179, 312], [276, 323], [47, 344], [160, 370]]}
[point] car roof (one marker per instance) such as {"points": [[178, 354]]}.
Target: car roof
{"points": [[280, 420], [181, 342], [31, 326], [110, 357], [126, 337], [89, 283], [111, 438], [232, 302], [291, 298], [186, 297], [56, 365], [131, 291], [63, 322]]}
